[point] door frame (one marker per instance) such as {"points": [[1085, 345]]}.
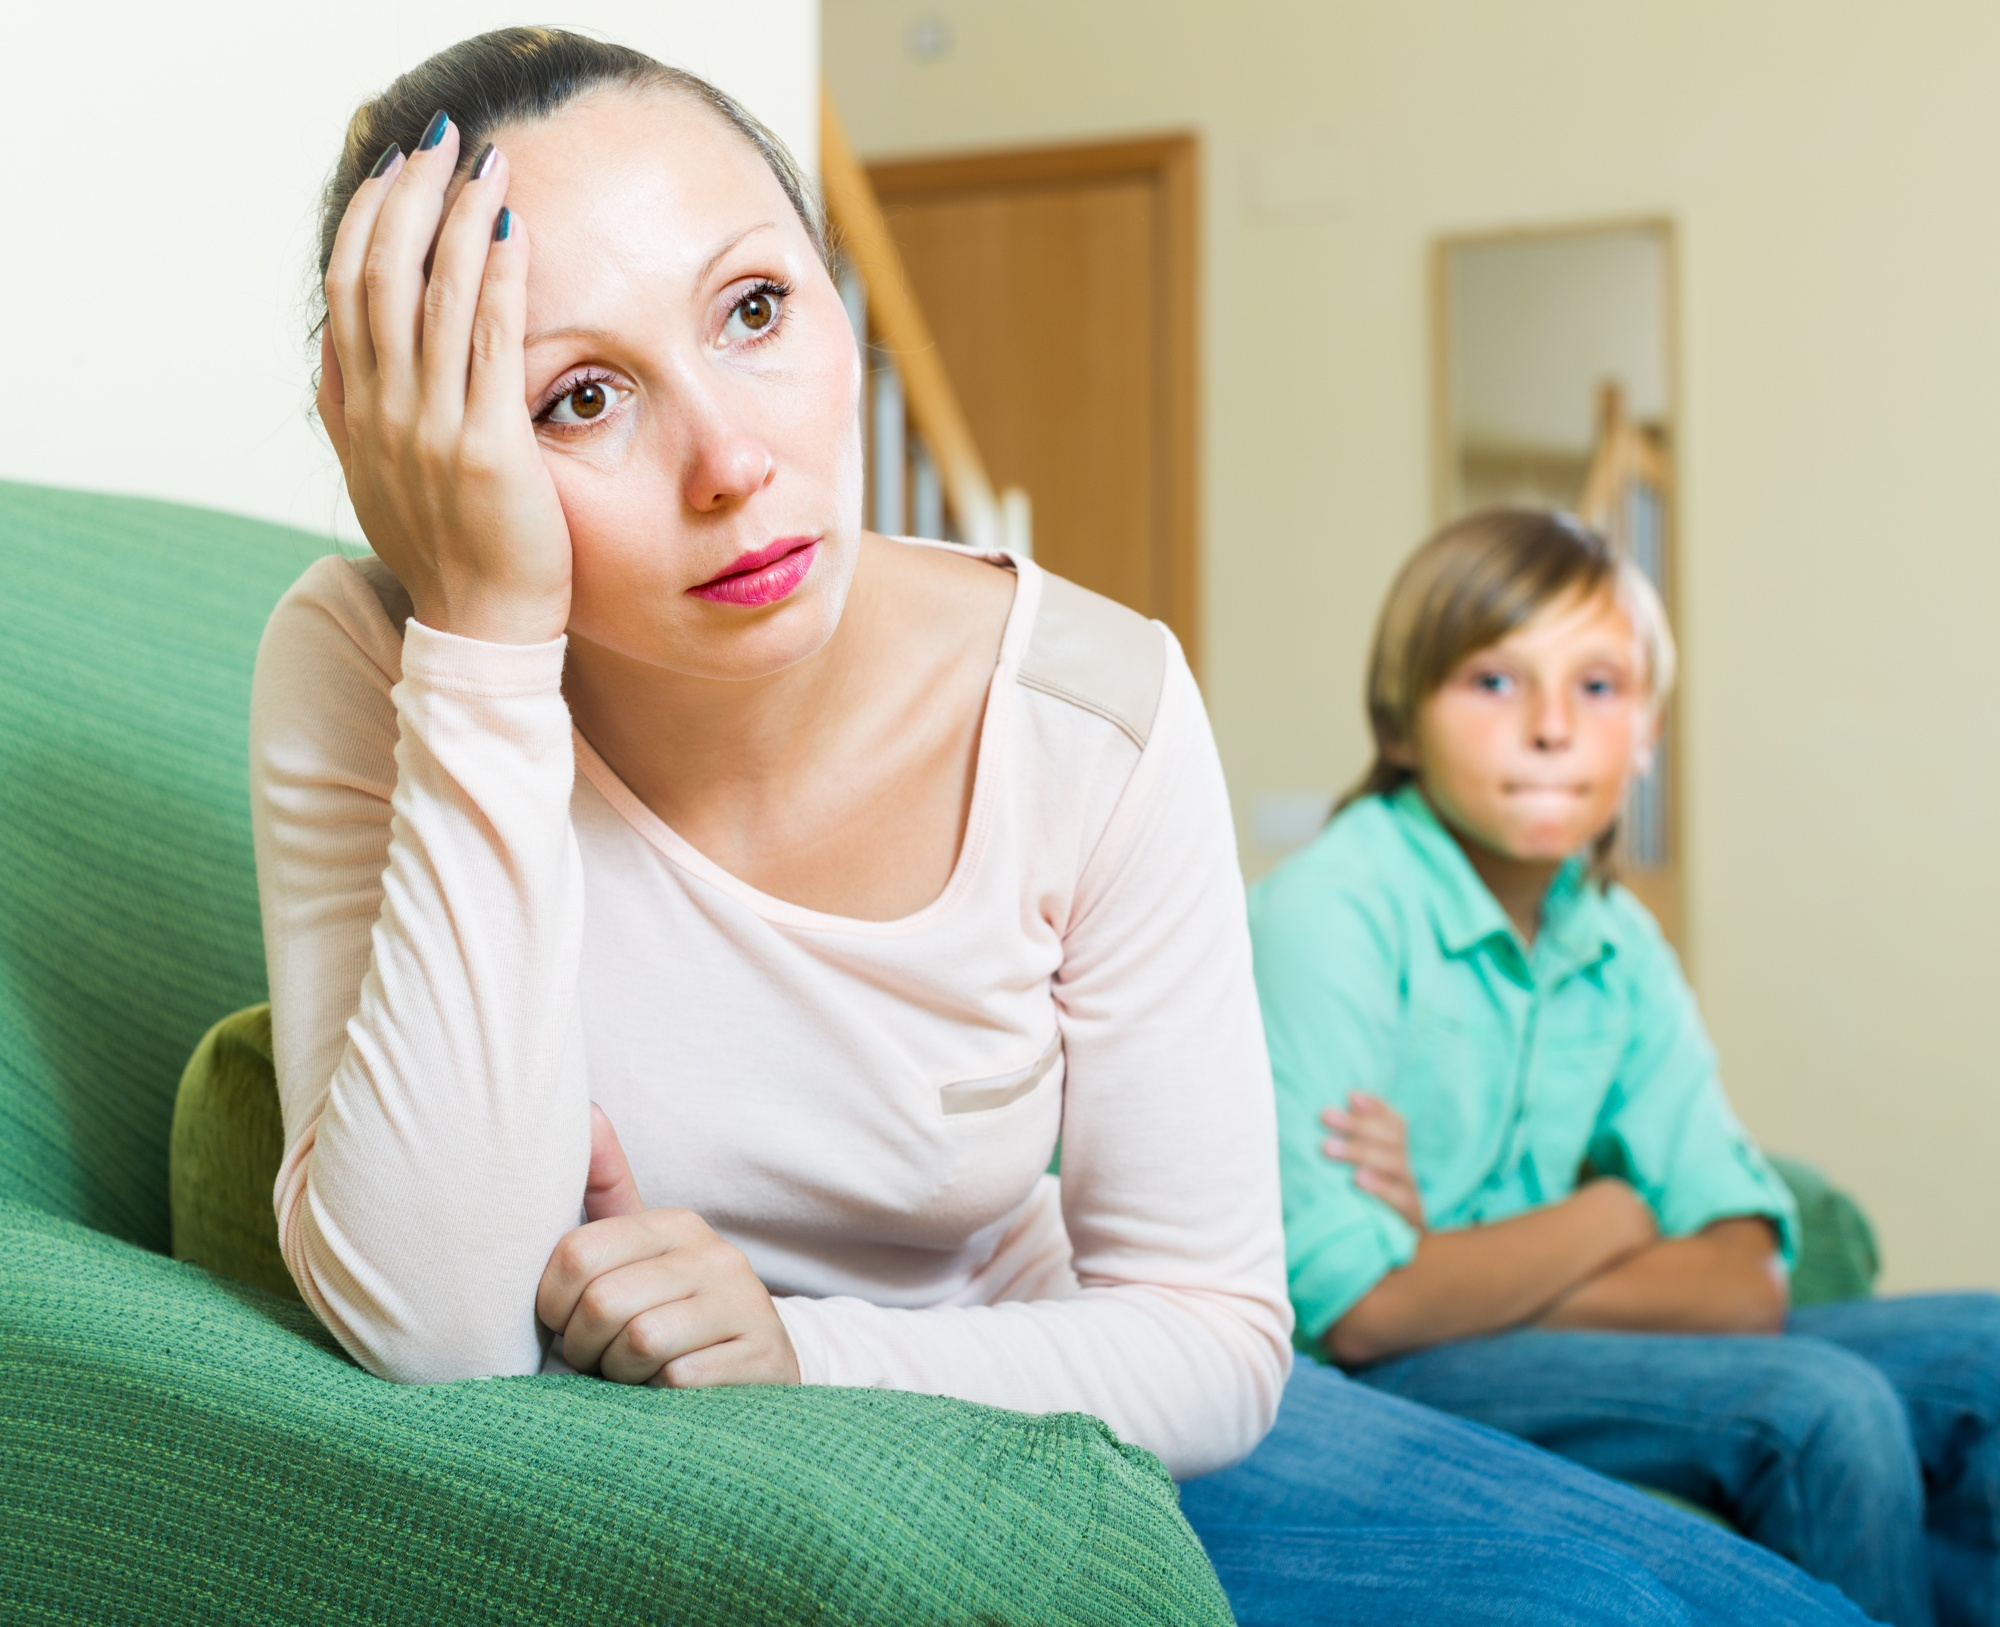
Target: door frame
{"points": [[1170, 163]]}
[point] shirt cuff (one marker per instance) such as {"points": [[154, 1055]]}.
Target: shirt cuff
{"points": [[1741, 1183], [807, 1345], [473, 666], [1331, 1273]]}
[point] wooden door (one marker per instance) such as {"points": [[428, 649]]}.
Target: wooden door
{"points": [[1060, 285]]}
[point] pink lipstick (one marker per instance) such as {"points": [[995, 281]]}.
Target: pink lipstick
{"points": [[764, 576]]}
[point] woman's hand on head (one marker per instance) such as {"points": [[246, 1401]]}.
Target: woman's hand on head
{"points": [[654, 1296], [1370, 1135], [423, 392]]}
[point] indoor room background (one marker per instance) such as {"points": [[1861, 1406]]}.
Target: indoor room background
{"points": [[1825, 172]]}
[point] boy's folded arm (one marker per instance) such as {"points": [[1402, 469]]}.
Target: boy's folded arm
{"points": [[1666, 1125], [1726, 1278], [1483, 1279]]}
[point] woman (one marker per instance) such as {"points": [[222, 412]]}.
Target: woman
{"points": [[640, 835]]}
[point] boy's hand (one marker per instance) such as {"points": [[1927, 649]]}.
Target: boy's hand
{"points": [[1371, 1136], [654, 1296]]}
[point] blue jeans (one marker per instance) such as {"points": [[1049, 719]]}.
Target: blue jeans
{"points": [[1863, 1445], [1362, 1508]]}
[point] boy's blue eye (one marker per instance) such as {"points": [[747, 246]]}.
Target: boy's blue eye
{"points": [[1494, 683]]}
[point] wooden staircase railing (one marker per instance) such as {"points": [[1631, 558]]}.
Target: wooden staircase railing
{"points": [[925, 472]]}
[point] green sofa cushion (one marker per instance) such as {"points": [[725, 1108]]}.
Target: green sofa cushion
{"points": [[1837, 1255], [228, 1140], [174, 1447], [128, 898]]}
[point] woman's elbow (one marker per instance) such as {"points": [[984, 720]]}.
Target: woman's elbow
{"points": [[442, 1345], [442, 1356], [1274, 1371]]}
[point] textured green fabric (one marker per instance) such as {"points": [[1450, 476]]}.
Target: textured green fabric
{"points": [[128, 901], [177, 1449], [228, 1139], [1837, 1258]]}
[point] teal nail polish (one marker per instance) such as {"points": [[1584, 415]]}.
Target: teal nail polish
{"points": [[485, 162], [434, 133], [390, 154], [503, 225]]}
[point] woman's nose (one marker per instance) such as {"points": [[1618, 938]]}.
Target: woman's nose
{"points": [[726, 467], [725, 461]]}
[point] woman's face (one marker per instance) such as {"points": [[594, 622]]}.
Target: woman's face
{"points": [[695, 387], [1528, 746]]}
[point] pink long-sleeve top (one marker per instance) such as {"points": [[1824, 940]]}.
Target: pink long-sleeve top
{"points": [[474, 929]]}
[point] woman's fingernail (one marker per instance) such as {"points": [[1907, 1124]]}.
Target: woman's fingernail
{"points": [[390, 154], [503, 225], [434, 132], [485, 162]]}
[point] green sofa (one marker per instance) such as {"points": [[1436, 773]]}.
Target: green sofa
{"points": [[179, 1447]]}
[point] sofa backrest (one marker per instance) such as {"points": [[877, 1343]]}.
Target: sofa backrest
{"points": [[128, 896]]}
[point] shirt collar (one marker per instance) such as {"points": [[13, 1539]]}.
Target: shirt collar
{"points": [[1575, 929]]}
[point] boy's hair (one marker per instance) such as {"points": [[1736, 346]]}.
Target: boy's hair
{"points": [[1467, 588]]}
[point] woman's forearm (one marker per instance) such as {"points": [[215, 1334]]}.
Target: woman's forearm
{"points": [[1725, 1279], [1481, 1279], [423, 920]]}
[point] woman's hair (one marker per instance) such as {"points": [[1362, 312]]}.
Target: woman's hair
{"points": [[1465, 590], [514, 76]]}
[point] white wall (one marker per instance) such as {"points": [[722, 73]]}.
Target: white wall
{"points": [[1831, 169], [157, 218]]}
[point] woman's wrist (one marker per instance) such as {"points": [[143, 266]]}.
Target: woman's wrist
{"points": [[450, 663], [489, 618]]}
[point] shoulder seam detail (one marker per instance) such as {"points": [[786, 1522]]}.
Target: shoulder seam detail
{"points": [[1098, 655], [1048, 686]]}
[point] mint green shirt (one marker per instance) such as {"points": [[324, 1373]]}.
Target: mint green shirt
{"points": [[1385, 965]]}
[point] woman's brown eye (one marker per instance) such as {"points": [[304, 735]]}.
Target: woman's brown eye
{"points": [[583, 402], [753, 315]]}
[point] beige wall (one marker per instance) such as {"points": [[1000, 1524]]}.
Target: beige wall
{"points": [[1831, 170]]}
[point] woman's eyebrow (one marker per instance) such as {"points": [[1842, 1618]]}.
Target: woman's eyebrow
{"points": [[544, 335], [715, 259]]}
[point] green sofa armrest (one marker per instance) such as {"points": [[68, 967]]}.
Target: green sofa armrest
{"points": [[177, 1447]]}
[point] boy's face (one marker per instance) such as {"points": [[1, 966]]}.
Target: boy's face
{"points": [[1528, 746]]}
